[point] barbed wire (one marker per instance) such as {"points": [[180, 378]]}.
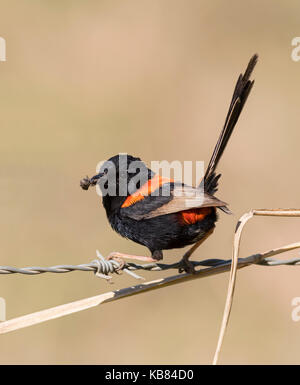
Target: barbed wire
{"points": [[103, 267]]}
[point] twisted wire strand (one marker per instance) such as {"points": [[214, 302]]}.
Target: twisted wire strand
{"points": [[53, 269], [103, 267]]}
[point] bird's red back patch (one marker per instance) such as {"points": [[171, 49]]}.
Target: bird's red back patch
{"points": [[189, 217], [150, 186]]}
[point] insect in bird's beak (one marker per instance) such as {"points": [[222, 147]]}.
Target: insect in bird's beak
{"points": [[86, 182]]}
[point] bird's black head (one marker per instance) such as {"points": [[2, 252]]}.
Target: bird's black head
{"points": [[118, 177]]}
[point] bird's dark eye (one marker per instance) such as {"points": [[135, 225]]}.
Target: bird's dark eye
{"points": [[135, 171]]}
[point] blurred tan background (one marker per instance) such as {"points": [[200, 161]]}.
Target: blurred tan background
{"points": [[86, 80]]}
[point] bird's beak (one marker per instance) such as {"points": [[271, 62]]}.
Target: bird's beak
{"points": [[86, 182], [95, 178]]}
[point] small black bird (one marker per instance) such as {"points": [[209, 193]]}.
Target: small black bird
{"points": [[147, 215]]}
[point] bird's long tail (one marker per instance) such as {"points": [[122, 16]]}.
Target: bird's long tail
{"points": [[240, 95]]}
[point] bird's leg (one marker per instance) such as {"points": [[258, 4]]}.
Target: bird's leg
{"points": [[185, 264], [119, 257]]}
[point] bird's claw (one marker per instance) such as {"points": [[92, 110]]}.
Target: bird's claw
{"points": [[116, 257], [186, 266]]}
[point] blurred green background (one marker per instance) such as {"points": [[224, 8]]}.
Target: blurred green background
{"points": [[86, 80]]}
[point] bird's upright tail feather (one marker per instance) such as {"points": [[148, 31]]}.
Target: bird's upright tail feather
{"points": [[240, 95]]}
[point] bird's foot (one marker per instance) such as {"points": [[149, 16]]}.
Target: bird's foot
{"points": [[118, 258], [185, 265]]}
